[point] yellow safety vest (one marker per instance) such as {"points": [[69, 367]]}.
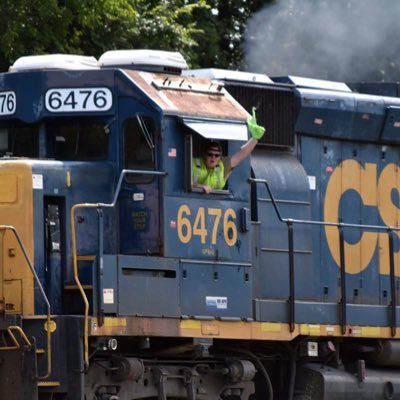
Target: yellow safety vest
{"points": [[210, 177]]}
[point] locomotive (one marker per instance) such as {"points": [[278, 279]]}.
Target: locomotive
{"points": [[119, 280]]}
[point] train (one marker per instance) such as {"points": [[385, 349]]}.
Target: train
{"points": [[119, 280]]}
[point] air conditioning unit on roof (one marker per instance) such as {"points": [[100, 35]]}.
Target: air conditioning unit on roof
{"points": [[54, 61], [150, 60]]}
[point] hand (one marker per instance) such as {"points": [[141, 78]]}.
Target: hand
{"points": [[257, 131], [207, 189]]}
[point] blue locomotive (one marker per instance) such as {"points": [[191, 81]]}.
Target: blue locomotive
{"points": [[121, 281]]}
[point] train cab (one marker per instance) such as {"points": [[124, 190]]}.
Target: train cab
{"points": [[171, 234], [114, 142]]}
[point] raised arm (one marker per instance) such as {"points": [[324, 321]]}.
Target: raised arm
{"points": [[257, 133], [243, 152]]}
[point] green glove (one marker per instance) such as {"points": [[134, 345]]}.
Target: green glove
{"points": [[256, 131]]}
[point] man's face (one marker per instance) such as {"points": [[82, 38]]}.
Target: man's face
{"points": [[212, 157]]}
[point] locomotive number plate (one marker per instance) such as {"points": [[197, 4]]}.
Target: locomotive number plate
{"points": [[8, 103], [206, 223], [78, 99]]}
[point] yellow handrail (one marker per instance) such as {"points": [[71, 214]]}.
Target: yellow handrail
{"points": [[78, 282], [14, 339], [75, 257]]}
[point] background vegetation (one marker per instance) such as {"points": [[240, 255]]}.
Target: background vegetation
{"points": [[207, 32]]}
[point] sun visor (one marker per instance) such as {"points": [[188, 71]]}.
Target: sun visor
{"points": [[218, 130]]}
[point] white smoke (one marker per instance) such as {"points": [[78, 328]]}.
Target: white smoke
{"points": [[347, 40]]}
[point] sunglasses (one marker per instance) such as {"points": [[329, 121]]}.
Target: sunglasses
{"points": [[213, 154]]}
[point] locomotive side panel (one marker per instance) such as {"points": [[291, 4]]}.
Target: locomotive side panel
{"points": [[16, 209]]}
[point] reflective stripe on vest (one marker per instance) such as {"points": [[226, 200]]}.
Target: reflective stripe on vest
{"points": [[203, 176]]}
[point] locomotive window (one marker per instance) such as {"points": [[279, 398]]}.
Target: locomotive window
{"points": [[20, 141], [139, 147], [195, 146], [81, 142]]}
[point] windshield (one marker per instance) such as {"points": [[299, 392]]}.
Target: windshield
{"points": [[61, 140], [19, 140], [79, 141]]}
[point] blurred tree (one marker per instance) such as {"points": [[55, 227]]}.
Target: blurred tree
{"points": [[220, 43], [232, 19], [206, 32]]}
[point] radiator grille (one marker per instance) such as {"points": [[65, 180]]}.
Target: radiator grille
{"points": [[275, 110]]}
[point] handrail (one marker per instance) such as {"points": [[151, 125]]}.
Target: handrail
{"points": [[14, 339], [393, 303], [340, 225], [74, 255], [49, 351], [310, 222]]}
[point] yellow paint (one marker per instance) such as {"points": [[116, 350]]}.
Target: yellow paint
{"points": [[13, 296], [310, 329], [388, 182], [190, 324], [346, 176], [331, 330], [114, 322], [184, 225], [48, 384], [271, 327], [199, 227], [217, 213], [16, 209], [374, 191], [8, 189], [52, 326], [370, 331], [205, 225], [230, 230], [210, 328], [304, 329], [239, 330]]}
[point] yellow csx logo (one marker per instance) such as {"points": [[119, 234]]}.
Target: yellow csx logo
{"points": [[205, 223], [375, 191]]}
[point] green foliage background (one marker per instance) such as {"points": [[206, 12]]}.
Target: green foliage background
{"points": [[207, 32]]}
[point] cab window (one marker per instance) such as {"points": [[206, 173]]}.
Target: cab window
{"points": [[80, 141], [19, 140], [139, 147], [195, 146]]}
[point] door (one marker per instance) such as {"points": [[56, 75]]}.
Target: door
{"points": [[139, 200], [54, 214]]}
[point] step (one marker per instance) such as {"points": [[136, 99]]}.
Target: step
{"points": [[85, 258], [76, 287], [48, 384]]}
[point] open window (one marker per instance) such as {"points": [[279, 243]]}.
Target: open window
{"points": [[139, 147], [200, 132]]}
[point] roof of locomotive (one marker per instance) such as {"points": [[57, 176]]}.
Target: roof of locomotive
{"points": [[171, 93], [198, 97]]}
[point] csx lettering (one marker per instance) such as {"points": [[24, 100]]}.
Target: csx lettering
{"points": [[351, 175], [205, 224]]}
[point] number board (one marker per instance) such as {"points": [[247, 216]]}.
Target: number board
{"points": [[78, 99], [206, 223], [8, 103]]}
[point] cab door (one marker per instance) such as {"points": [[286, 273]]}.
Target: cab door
{"points": [[140, 193], [54, 217]]}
